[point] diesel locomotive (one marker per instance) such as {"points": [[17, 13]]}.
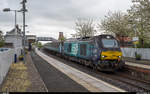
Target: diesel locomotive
{"points": [[101, 52]]}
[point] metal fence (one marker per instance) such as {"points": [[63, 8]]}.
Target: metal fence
{"points": [[130, 52]]}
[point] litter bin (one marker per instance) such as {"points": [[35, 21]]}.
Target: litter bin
{"points": [[15, 58]]}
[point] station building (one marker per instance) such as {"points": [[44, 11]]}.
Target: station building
{"points": [[14, 39]]}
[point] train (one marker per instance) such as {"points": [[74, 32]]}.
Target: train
{"points": [[100, 52]]}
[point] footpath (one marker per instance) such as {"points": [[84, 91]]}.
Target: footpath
{"points": [[23, 78]]}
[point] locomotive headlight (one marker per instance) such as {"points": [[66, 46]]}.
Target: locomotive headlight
{"points": [[103, 56], [119, 56]]}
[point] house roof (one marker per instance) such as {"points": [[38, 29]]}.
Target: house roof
{"points": [[14, 31]]}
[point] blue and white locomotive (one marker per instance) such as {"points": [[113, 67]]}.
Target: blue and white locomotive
{"points": [[101, 52]]}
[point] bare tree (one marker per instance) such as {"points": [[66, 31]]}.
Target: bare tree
{"points": [[84, 28]]}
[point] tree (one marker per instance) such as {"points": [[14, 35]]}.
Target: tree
{"points": [[116, 23], [1, 39], [39, 44], [62, 39], [140, 16], [84, 28]]}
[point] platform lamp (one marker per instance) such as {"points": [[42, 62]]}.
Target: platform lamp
{"points": [[15, 11], [24, 10]]}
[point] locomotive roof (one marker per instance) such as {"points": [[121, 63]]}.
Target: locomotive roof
{"points": [[90, 38], [87, 38], [106, 36]]}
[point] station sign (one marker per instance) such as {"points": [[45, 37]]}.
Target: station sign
{"points": [[135, 39], [136, 42]]}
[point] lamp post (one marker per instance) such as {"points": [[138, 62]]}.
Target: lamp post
{"points": [[15, 11], [23, 11], [21, 26]]}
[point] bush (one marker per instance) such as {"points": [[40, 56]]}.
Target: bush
{"points": [[2, 43], [40, 45], [138, 56], [26, 51], [145, 45], [21, 57]]}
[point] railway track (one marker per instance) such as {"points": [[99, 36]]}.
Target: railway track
{"points": [[123, 78]]}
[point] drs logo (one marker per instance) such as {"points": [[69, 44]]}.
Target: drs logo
{"points": [[74, 49]]}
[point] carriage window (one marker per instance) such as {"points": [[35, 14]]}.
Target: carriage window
{"points": [[110, 43], [83, 49], [69, 48]]}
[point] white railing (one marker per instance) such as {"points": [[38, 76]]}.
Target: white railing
{"points": [[130, 52]]}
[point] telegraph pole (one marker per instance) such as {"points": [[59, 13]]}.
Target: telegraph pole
{"points": [[24, 39]]}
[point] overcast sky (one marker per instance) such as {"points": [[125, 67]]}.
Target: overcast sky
{"points": [[49, 17]]}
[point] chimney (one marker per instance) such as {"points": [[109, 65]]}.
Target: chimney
{"points": [[60, 35]]}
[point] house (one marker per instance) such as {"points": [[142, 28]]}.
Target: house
{"points": [[14, 38], [29, 40], [125, 41]]}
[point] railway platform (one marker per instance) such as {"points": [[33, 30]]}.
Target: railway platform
{"points": [[138, 65], [55, 80], [23, 77], [81, 79], [133, 60], [145, 64]]}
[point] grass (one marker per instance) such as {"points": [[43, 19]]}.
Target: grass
{"points": [[17, 79]]}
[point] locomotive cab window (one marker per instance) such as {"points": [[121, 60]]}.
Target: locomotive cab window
{"points": [[83, 49], [110, 43]]}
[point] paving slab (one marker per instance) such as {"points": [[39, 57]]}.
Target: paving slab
{"points": [[37, 84], [55, 80]]}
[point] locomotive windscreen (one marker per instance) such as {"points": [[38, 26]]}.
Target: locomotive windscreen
{"points": [[110, 43]]}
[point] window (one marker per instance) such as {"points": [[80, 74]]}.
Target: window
{"points": [[83, 49], [69, 47], [110, 43]]}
